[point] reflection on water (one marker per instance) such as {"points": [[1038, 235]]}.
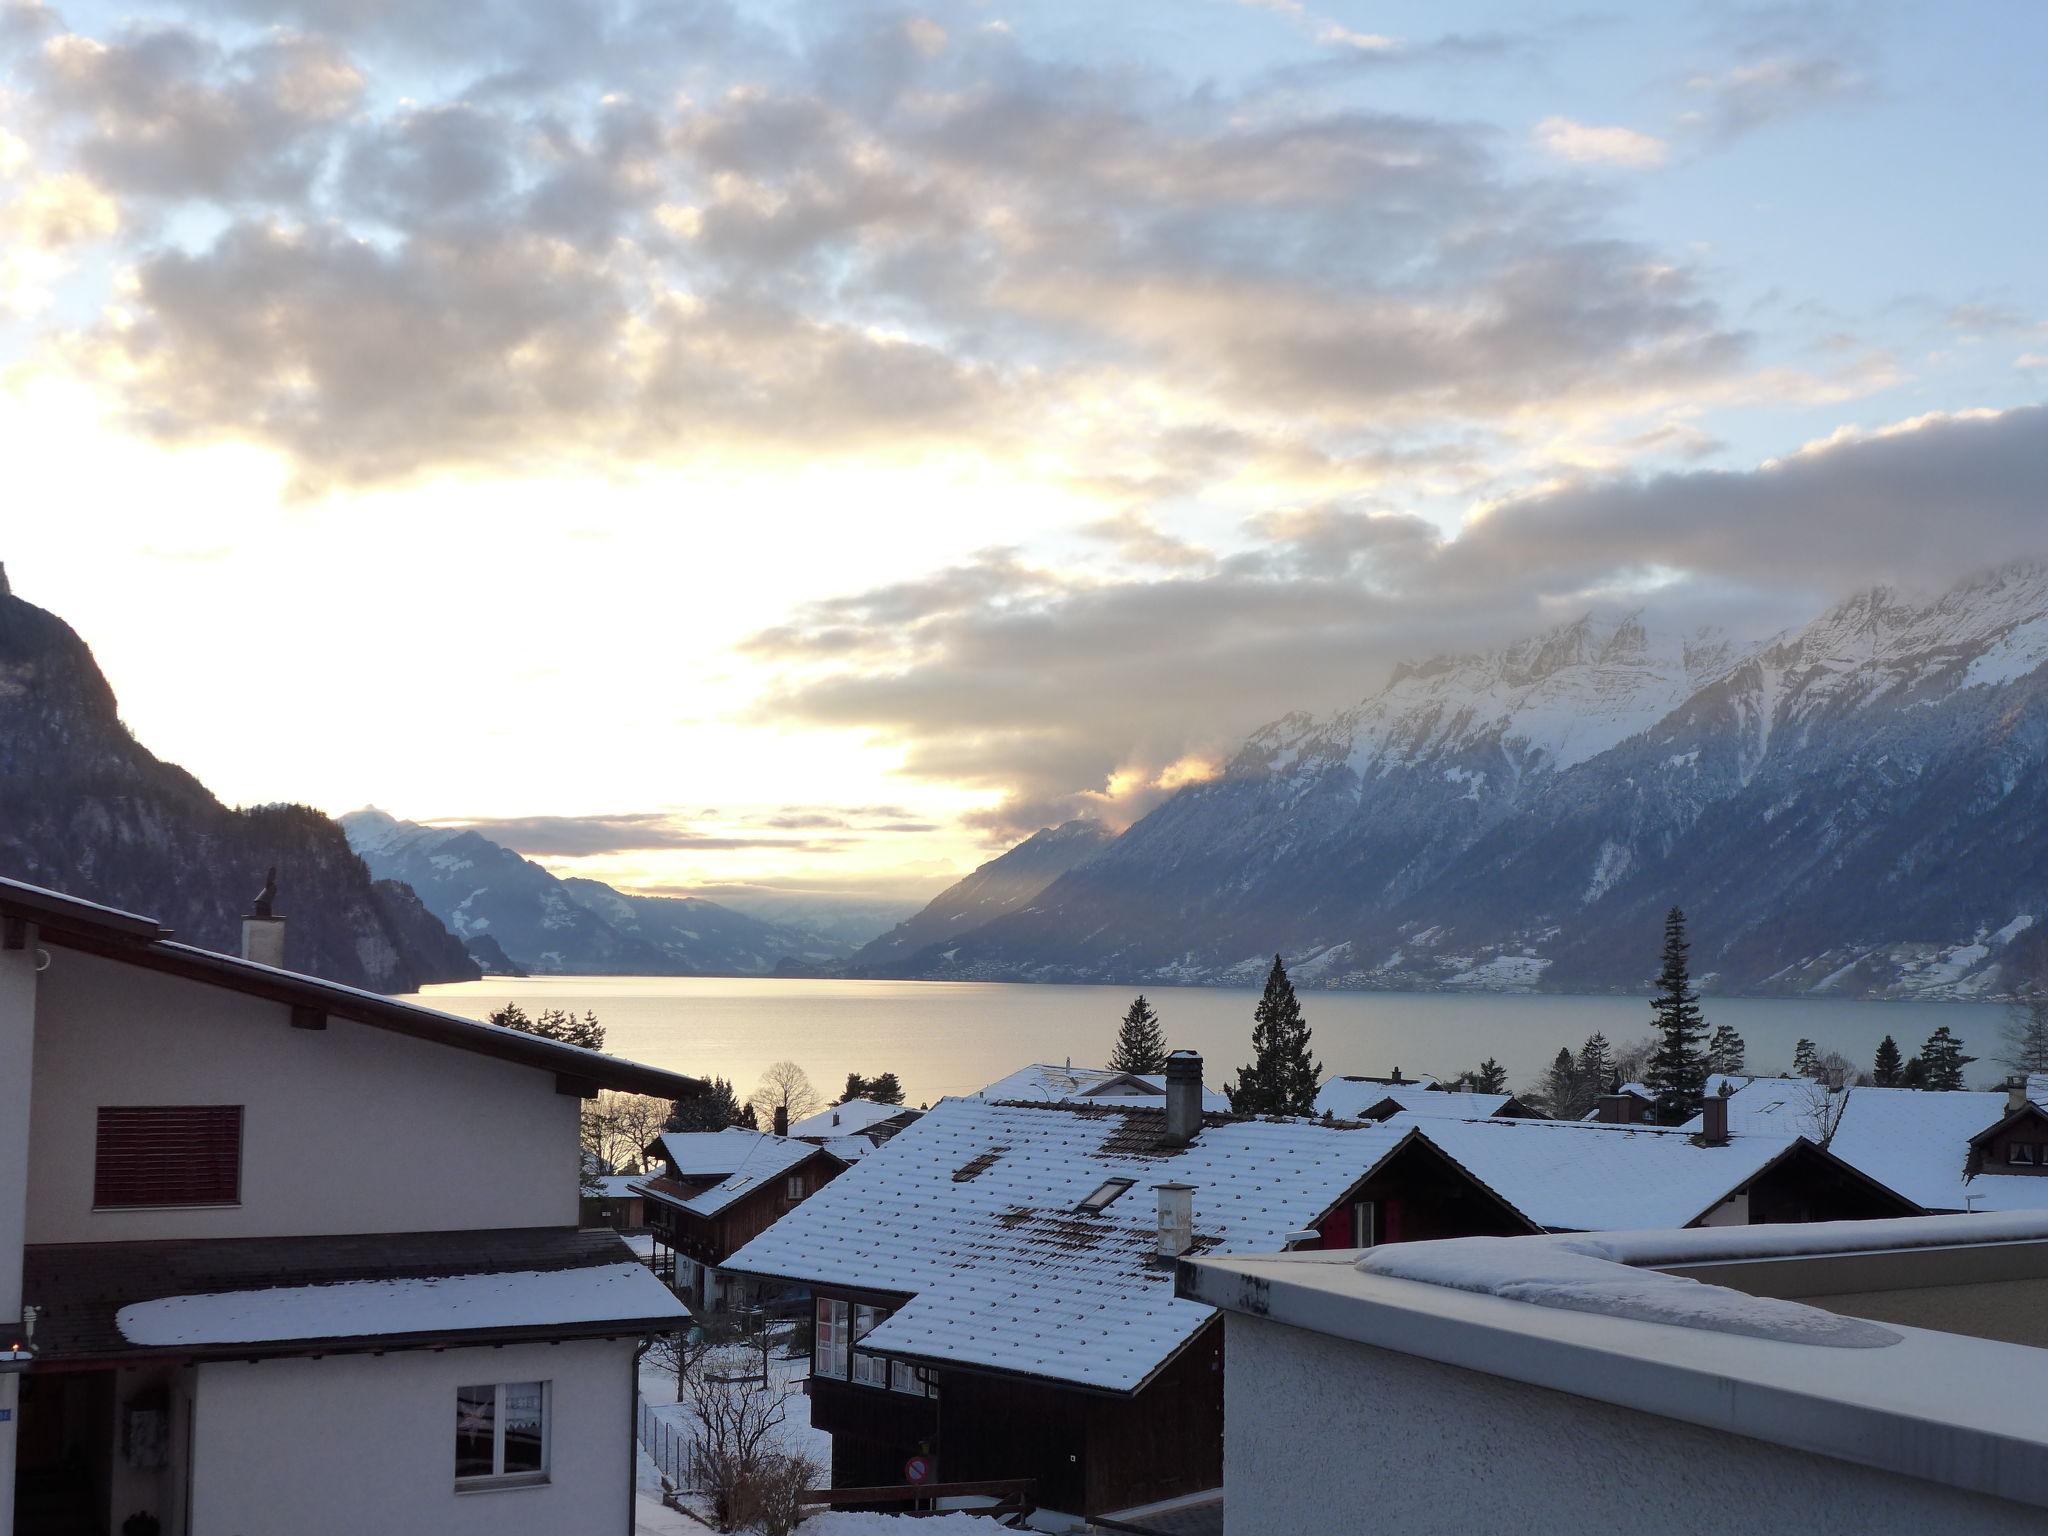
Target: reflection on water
{"points": [[945, 1037]]}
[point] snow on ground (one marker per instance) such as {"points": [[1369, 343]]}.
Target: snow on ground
{"points": [[793, 1437], [355, 1308], [1581, 1274]]}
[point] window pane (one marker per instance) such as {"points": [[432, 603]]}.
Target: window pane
{"points": [[831, 1351], [475, 1430], [525, 1436]]}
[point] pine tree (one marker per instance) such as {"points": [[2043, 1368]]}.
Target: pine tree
{"points": [[1596, 1068], [1281, 1079], [1726, 1052], [712, 1110], [1563, 1092], [553, 1024], [885, 1089], [1913, 1074], [1944, 1061], [1678, 1068], [1488, 1077], [1887, 1068], [2025, 1036], [1140, 1042], [856, 1087], [1805, 1058]]}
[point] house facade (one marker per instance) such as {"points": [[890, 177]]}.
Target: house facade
{"points": [[235, 1298], [716, 1191]]}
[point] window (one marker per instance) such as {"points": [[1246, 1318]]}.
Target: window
{"points": [[869, 1370], [905, 1377], [179, 1154], [795, 1188], [829, 1357], [2020, 1154], [1108, 1191], [501, 1434], [1364, 1224]]}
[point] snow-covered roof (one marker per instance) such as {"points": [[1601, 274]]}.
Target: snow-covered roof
{"points": [[1355, 1101], [847, 1119], [848, 1148], [617, 1186], [1044, 1084], [702, 1154], [1915, 1140], [354, 1309], [973, 1212], [770, 1157], [1580, 1176]]}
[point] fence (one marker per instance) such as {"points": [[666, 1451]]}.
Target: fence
{"points": [[675, 1452]]}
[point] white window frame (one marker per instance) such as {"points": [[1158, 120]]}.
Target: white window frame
{"points": [[498, 1477], [1365, 1223], [908, 1379], [831, 1339], [869, 1370], [793, 1187]]}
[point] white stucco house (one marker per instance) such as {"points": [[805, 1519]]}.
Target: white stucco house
{"points": [[235, 1293]]}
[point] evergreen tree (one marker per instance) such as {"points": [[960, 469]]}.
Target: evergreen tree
{"points": [[1913, 1074], [1563, 1091], [1726, 1052], [2025, 1036], [1596, 1069], [553, 1024], [1281, 1079], [885, 1089], [1887, 1068], [712, 1110], [1488, 1077], [1944, 1061], [1140, 1042], [1805, 1059], [1678, 1068], [749, 1118], [856, 1087]]}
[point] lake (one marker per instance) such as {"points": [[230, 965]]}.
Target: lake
{"points": [[944, 1037]]}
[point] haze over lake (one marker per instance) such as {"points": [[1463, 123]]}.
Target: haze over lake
{"points": [[955, 1037]]}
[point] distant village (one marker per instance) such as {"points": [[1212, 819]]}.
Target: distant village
{"points": [[281, 1255]]}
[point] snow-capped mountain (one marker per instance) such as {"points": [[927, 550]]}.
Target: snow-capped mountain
{"points": [[578, 927], [1855, 806]]}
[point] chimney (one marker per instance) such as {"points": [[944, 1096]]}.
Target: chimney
{"points": [[1183, 1098], [1618, 1109], [781, 1120], [262, 928], [1176, 1219], [1714, 1120], [2016, 1097], [1396, 1078]]}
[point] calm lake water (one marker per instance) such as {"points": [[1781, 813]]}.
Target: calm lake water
{"points": [[945, 1037]]}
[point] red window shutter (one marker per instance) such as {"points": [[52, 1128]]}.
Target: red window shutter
{"points": [[179, 1154]]}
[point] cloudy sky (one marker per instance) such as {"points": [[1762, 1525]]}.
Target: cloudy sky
{"points": [[811, 443]]}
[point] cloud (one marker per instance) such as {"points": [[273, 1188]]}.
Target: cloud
{"points": [[1784, 61], [636, 832], [1585, 144], [880, 243], [1077, 693]]}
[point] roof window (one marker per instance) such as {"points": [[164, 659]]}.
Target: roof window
{"points": [[1104, 1194]]}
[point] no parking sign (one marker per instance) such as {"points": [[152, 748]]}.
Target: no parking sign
{"points": [[917, 1470]]}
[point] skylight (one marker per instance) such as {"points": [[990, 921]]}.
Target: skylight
{"points": [[1108, 1191]]}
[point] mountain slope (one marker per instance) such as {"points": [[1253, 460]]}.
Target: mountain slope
{"points": [[86, 809], [1004, 884], [571, 927], [1859, 806]]}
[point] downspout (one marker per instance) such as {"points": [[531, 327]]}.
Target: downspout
{"points": [[633, 1440]]}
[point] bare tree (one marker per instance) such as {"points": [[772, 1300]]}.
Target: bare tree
{"points": [[2025, 1033], [737, 1415], [785, 1086], [1632, 1061], [772, 1501], [1822, 1108]]}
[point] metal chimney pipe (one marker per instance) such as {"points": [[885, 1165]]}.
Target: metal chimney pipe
{"points": [[1183, 1097]]}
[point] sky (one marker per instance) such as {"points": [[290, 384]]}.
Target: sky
{"points": [[808, 446]]}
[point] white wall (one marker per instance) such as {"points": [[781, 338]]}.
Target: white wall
{"points": [[346, 1129], [359, 1444], [1324, 1435], [17, 1044]]}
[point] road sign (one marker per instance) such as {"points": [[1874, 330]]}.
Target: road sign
{"points": [[917, 1470]]}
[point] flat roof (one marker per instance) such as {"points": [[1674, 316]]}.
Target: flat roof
{"points": [[1947, 1407], [135, 940]]}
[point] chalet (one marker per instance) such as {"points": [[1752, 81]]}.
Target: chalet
{"points": [[1584, 1176], [1357, 1099], [609, 1200], [232, 1301], [1042, 1084], [1959, 1151], [853, 1128], [993, 1287], [717, 1189]]}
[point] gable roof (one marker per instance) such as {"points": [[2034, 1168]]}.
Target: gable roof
{"points": [[1580, 1176], [973, 1213], [847, 1118], [706, 1154], [1348, 1098], [1044, 1084], [1433, 1104], [1914, 1140], [768, 1159], [126, 937]]}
